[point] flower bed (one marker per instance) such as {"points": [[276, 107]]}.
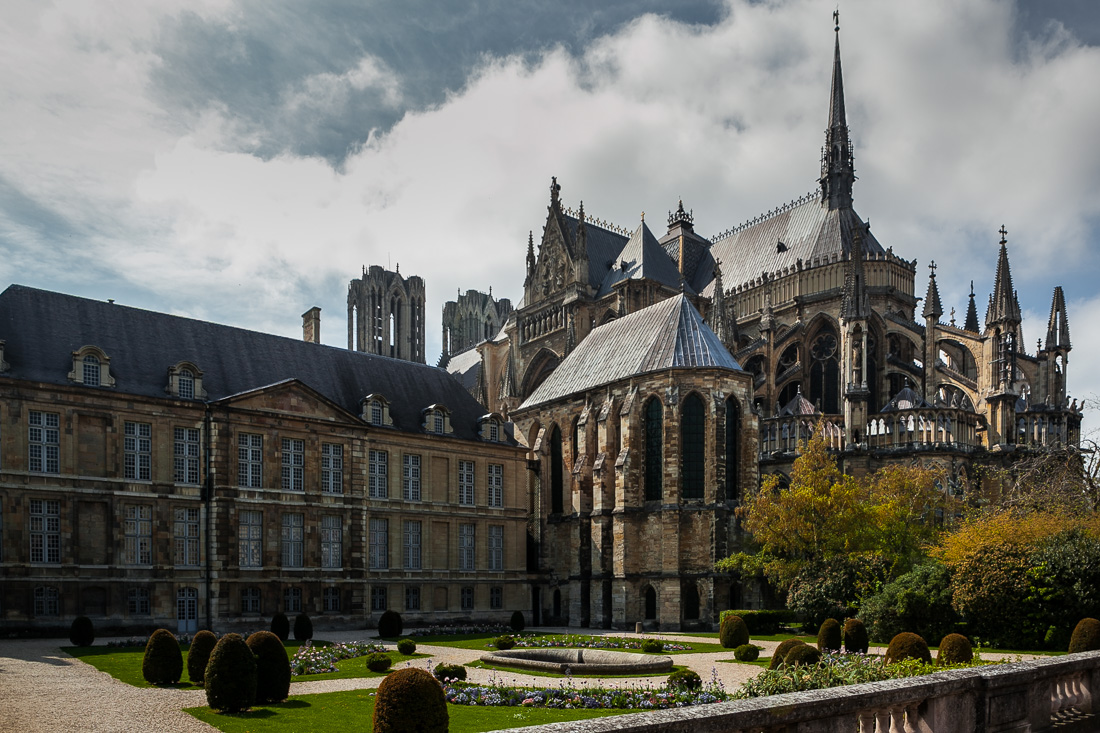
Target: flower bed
{"points": [[141, 641], [440, 630], [573, 641], [311, 659]]}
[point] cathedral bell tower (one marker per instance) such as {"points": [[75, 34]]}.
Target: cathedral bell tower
{"points": [[1002, 331]]}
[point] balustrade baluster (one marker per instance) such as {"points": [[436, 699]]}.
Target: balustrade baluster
{"points": [[867, 722]]}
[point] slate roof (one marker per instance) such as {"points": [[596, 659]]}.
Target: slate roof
{"points": [[644, 257], [464, 366], [603, 248], [907, 398], [665, 335], [42, 329]]}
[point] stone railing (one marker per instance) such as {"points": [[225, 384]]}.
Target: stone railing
{"points": [[782, 434], [1038, 695], [928, 427]]}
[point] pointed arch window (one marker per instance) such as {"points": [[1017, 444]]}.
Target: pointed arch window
{"points": [[556, 479], [825, 372], [693, 445], [654, 450], [733, 445]]}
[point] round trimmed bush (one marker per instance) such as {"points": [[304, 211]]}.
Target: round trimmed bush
{"points": [[379, 662], [410, 701], [406, 646], [389, 625], [1086, 636], [855, 637], [652, 646], [517, 622], [82, 633], [230, 676], [504, 643], [280, 626], [803, 654], [163, 661], [303, 627], [829, 636], [685, 679], [781, 651], [733, 632], [272, 667], [450, 672], [746, 653], [954, 649], [198, 655], [908, 645]]}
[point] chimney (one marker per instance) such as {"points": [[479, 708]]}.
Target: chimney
{"points": [[311, 325]]}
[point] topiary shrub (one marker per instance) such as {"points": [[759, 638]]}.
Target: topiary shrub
{"points": [[954, 649], [733, 632], [272, 667], [829, 636], [406, 647], [516, 622], [855, 637], [685, 679], [504, 643], [230, 676], [781, 651], [82, 633], [450, 672], [163, 661], [389, 625], [763, 623], [410, 700], [303, 627], [803, 654], [1086, 636], [280, 626], [379, 662], [198, 655], [652, 646], [746, 653], [907, 645]]}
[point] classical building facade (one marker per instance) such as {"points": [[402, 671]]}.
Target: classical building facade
{"points": [[386, 314], [162, 471]]}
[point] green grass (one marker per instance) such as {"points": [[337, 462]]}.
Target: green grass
{"points": [[357, 667], [542, 673], [353, 710], [481, 642]]}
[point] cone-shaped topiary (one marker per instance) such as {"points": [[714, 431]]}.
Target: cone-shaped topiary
{"points": [[303, 627], [163, 661], [685, 679], [828, 636], [733, 632], [652, 646], [954, 649], [199, 655], [389, 625], [1086, 636], [280, 626], [907, 645], [406, 646], [272, 667], [855, 637], [230, 676], [379, 662], [82, 633], [746, 653], [516, 622], [449, 672], [781, 652], [410, 701], [802, 654]]}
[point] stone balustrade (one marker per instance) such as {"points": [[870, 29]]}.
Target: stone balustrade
{"points": [[924, 427], [782, 434]]}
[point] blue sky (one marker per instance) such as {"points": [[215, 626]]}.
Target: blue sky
{"points": [[241, 161]]}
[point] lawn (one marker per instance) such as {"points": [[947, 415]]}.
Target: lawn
{"points": [[541, 673], [352, 710], [483, 642]]}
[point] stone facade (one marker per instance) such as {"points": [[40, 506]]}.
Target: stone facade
{"points": [[386, 314]]}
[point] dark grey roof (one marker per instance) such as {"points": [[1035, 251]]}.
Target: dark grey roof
{"points": [[603, 248], [42, 329], [464, 366], [643, 257], [665, 335], [907, 398], [798, 405]]}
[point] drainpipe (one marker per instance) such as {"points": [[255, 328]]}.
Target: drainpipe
{"points": [[208, 494]]}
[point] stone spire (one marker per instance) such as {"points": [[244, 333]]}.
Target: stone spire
{"points": [[717, 318], [1058, 325], [1003, 306], [530, 254], [933, 308], [837, 164], [855, 303], [972, 314]]}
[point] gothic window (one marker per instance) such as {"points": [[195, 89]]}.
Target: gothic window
{"points": [[693, 447], [556, 478], [733, 445], [787, 359], [789, 392], [825, 372], [654, 450]]}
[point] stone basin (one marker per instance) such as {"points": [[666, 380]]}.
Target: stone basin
{"points": [[579, 661]]}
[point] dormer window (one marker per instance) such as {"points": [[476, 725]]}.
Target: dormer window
{"points": [[91, 370], [3, 364], [437, 420], [376, 411], [91, 367], [185, 382], [491, 427]]}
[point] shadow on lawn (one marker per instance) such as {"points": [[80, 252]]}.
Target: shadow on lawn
{"points": [[269, 710]]}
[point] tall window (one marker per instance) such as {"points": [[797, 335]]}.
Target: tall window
{"points": [[378, 601], [332, 541], [496, 598], [186, 384], [693, 447], [375, 412], [494, 431], [556, 478], [466, 547], [496, 484], [294, 461], [137, 602], [250, 537], [293, 534], [496, 547], [412, 544], [379, 544], [467, 598], [46, 601], [185, 533], [466, 483], [654, 450], [412, 598], [186, 454], [825, 372], [250, 601], [292, 600], [138, 532], [44, 438], [45, 531], [410, 478], [377, 478], [136, 449], [331, 600], [91, 371], [733, 444], [332, 468], [250, 460]]}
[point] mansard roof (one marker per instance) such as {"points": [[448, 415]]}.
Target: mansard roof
{"points": [[41, 329], [666, 335], [642, 257]]}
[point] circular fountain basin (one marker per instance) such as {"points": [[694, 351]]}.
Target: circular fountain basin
{"points": [[579, 661]]}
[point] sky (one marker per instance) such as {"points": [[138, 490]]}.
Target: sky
{"points": [[240, 161]]}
